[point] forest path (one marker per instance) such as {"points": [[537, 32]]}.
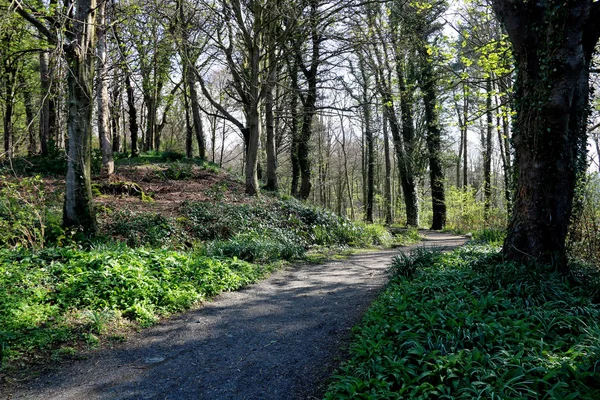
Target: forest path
{"points": [[277, 339]]}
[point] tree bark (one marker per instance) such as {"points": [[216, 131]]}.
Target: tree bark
{"points": [[388, 174], [46, 107], [272, 183], [29, 116], [552, 43], [487, 152], [104, 133], [433, 139], [370, 143], [10, 81], [78, 210], [132, 111]]}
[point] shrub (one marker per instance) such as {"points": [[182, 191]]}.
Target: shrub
{"points": [[407, 265], [146, 229], [178, 171], [493, 236], [466, 214], [22, 212], [257, 247], [584, 237]]}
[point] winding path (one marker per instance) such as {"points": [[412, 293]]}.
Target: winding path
{"points": [[278, 339]]}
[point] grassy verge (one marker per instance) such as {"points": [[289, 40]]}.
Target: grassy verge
{"points": [[54, 300], [464, 325]]}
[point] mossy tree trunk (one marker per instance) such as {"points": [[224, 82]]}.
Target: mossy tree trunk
{"points": [[552, 43]]}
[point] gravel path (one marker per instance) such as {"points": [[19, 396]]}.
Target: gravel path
{"points": [[278, 339]]}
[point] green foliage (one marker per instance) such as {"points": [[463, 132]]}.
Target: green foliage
{"points": [[407, 265], [53, 164], [258, 246], [40, 289], [22, 212], [493, 236], [584, 236], [178, 171], [146, 229], [466, 214], [469, 326]]}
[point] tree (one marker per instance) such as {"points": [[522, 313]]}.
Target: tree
{"points": [[79, 44], [553, 42]]}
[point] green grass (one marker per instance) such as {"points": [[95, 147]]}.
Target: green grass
{"points": [[56, 296], [464, 325]]}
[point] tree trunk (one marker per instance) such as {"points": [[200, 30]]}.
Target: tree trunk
{"points": [[552, 44], [104, 133], [272, 183], [115, 114], [132, 111], [487, 152], [433, 139], [370, 143], [30, 116], [388, 174], [78, 210], [10, 81], [294, 134], [189, 131], [45, 106], [250, 170], [464, 136], [197, 117]]}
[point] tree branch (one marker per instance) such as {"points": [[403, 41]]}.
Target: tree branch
{"points": [[36, 23]]}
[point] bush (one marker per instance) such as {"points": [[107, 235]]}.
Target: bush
{"points": [[178, 171], [469, 326], [466, 214], [407, 265], [146, 229], [584, 237], [257, 247], [22, 212]]}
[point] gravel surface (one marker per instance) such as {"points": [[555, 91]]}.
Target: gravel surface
{"points": [[278, 339]]}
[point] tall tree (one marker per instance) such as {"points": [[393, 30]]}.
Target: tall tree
{"points": [[78, 44], [553, 42]]}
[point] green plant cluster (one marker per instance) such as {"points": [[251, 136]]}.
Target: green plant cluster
{"points": [[467, 326], [146, 229], [584, 236], [25, 220], [466, 214], [40, 289]]}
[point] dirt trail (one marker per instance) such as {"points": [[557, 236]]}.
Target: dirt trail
{"points": [[278, 339]]}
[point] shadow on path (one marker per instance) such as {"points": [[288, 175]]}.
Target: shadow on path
{"points": [[278, 339]]}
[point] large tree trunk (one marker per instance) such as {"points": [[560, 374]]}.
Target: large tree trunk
{"points": [[294, 134], [433, 139], [370, 143], [78, 210], [553, 42]]}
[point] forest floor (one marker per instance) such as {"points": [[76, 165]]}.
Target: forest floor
{"points": [[279, 339]]}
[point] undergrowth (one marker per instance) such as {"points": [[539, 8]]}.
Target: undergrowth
{"points": [[45, 295], [464, 325]]}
